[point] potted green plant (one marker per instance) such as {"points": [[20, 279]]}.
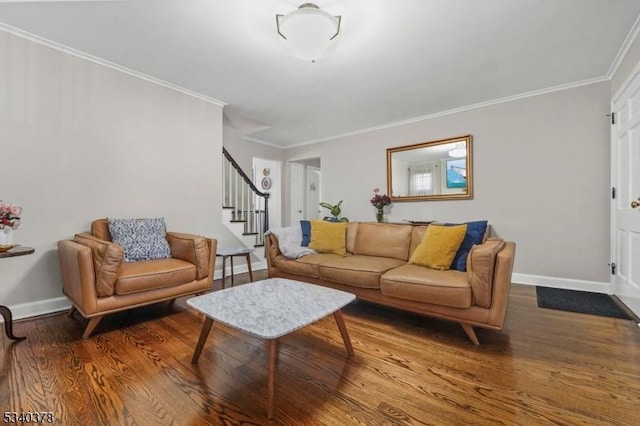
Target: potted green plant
{"points": [[335, 212]]}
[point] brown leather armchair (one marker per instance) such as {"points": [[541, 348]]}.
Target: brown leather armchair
{"points": [[98, 282]]}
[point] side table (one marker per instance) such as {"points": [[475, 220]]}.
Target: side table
{"points": [[231, 253], [5, 311]]}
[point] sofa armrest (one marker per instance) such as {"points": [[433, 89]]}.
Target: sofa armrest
{"points": [[78, 275], [107, 258], [271, 251], [481, 263], [194, 249]]}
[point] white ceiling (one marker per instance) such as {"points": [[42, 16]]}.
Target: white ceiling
{"points": [[395, 60]]}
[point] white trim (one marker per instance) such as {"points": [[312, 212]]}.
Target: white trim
{"points": [[82, 55], [624, 85], [626, 45], [43, 307], [49, 306], [40, 307], [455, 110], [564, 283], [261, 142], [239, 269]]}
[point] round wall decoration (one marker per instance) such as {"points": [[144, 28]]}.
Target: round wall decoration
{"points": [[266, 182], [266, 171]]}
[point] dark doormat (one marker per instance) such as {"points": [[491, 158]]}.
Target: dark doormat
{"points": [[583, 302]]}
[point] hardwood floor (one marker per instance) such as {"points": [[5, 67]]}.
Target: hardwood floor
{"points": [[546, 367]]}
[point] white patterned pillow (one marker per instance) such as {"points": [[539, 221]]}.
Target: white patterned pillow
{"points": [[141, 239]]}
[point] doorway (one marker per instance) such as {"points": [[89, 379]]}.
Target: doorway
{"points": [[305, 181]]}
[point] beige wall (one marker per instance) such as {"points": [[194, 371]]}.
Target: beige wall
{"points": [[243, 150], [541, 177], [81, 141]]}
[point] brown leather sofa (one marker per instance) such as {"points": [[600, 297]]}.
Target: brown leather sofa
{"points": [[376, 269], [98, 282]]}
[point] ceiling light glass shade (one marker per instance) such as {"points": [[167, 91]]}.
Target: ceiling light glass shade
{"points": [[458, 152], [308, 31]]}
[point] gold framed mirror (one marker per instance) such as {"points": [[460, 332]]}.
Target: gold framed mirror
{"points": [[436, 170]]}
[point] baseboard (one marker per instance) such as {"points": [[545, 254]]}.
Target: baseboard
{"points": [[41, 307], [240, 269], [565, 283]]}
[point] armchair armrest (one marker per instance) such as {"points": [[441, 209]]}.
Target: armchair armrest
{"points": [[107, 258], [78, 275], [194, 249]]}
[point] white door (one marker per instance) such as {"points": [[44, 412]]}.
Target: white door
{"points": [[625, 177], [296, 182]]}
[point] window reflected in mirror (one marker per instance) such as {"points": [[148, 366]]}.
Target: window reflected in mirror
{"points": [[437, 170]]}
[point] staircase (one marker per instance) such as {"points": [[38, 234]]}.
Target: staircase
{"points": [[245, 208]]}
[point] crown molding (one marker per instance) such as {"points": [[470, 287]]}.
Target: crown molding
{"points": [[457, 110], [626, 45], [87, 57]]}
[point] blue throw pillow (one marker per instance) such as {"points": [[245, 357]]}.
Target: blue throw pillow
{"points": [[305, 225], [475, 235]]}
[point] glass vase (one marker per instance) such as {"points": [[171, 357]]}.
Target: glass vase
{"points": [[380, 215]]}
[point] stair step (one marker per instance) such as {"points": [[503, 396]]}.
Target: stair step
{"points": [[228, 207], [249, 233], [238, 221], [258, 245]]}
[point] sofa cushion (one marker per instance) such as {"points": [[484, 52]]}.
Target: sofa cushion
{"points": [[481, 268], [107, 257], [151, 274], [141, 239], [383, 240], [328, 237], [475, 235], [439, 246], [356, 270], [352, 233], [306, 266], [421, 284]]}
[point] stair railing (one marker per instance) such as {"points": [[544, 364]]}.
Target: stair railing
{"points": [[247, 203]]}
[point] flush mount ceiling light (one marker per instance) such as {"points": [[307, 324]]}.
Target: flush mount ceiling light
{"points": [[308, 31]]}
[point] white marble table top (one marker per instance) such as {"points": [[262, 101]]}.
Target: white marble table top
{"points": [[234, 251], [271, 308]]}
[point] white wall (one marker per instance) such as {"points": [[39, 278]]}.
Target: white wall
{"points": [[81, 141], [541, 178]]}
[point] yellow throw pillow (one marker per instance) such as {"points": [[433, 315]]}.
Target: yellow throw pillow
{"points": [[439, 246], [328, 237]]}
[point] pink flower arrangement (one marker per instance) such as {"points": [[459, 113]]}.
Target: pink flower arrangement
{"points": [[9, 215], [379, 201]]}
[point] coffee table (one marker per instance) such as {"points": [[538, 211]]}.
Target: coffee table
{"points": [[270, 309]]}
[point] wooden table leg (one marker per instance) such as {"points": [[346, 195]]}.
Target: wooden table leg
{"points": [[231, 257], [206, 328], [272, 374], [224, 272], [343, 331], [248, 256], [8, 323]]}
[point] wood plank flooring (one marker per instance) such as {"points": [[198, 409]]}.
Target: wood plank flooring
{"points": [[546, 367]]}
